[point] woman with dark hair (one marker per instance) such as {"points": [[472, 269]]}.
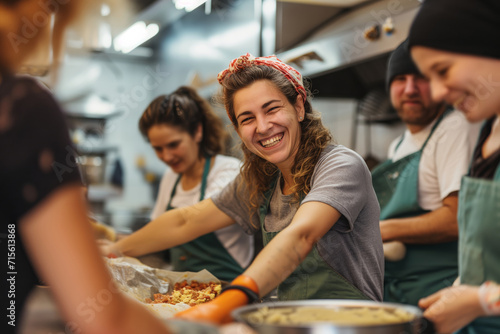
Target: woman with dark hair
{"points": [[44, 220], [189, 137], [463, 66], [312, 201]]}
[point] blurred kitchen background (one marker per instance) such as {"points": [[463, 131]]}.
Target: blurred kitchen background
{"points": [[110, 74]]}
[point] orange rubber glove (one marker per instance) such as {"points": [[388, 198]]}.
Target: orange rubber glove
{"points": [[218, 310]]}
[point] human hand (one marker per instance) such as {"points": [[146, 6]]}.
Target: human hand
{"points": [[452, 308], [107, 248], [218, 310]]}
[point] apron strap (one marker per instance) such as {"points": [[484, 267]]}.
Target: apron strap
{"points": [[400, 141], [204, 178], [264, 207], [443, 115]]}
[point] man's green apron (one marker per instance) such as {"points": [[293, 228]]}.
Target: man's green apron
{"points": [[479, 252], [426, 268], [313, 278], [205, 252]]}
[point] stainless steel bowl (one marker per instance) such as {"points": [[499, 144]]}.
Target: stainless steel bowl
{"points": [[416, 325]]}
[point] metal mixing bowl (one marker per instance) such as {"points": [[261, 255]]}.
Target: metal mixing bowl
{"points": [[416, 325]]}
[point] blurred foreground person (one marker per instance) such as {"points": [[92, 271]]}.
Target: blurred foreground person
{"points": [[44, 226]]}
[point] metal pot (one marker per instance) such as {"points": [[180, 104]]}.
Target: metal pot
{"points": [[416, 325], [93, 167]]}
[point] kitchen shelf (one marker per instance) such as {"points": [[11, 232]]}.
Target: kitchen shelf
{"points": [[103, 192], [100, 150], [93, 116]]}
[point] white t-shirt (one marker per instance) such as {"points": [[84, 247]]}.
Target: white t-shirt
{"points": [[445, 158], [238, 244]]}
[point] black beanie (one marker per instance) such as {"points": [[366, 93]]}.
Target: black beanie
{"points": [[460, 26], [400, 63]]}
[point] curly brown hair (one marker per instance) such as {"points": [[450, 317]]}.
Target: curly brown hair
{"points": [[258, 173], [186, 110]]}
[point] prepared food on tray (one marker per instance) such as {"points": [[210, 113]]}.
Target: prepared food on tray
{"points": [[339, 315], [189, 293]]}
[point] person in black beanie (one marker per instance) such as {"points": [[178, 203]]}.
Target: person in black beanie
{"points": [[450, 41], [399, 63], [417, 187]]}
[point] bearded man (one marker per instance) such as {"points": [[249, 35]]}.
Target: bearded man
{"points": [[417, 187]]}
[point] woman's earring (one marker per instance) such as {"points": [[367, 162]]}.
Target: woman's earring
{"points": [[301, 118]]}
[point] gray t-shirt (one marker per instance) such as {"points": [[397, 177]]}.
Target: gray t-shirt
{"points": [[353, 247]]}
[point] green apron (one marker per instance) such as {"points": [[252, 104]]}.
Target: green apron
{"points": [[313, 278], [205, 252], [479, 252], [426, 268]]}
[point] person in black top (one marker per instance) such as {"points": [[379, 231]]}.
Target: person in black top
{"points": [[44, 230]]}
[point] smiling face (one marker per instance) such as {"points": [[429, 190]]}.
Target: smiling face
{"points": [[469, 83], [177, 148], [268, 125], [411, 97]]}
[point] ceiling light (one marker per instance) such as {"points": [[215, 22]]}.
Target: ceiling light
{"points": [[188, 5], [105, 10], [134, 36]]}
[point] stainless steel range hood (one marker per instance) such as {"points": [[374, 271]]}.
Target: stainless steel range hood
{"points": [[347, 57]]}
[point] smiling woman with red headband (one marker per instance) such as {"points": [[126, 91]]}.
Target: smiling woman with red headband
{"points": [[312, 201]]}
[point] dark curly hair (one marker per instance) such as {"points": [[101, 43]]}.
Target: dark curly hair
{"points": [[186, 110]]}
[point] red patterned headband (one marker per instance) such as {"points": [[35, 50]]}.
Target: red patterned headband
{"points": [[248, 60]]}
